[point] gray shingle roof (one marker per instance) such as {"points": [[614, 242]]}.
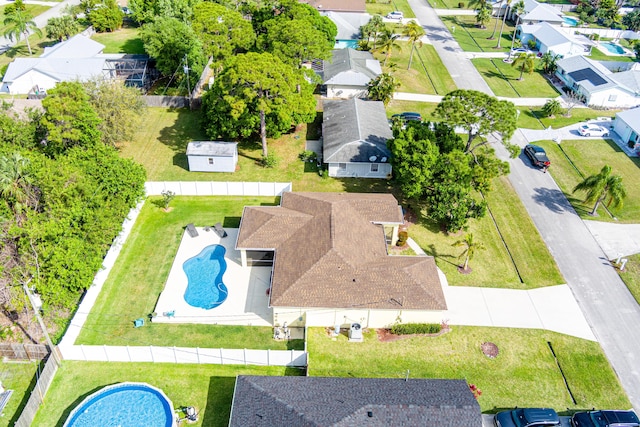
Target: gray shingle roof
{"points": [[354, 130], [350, 67], [318, 401]]}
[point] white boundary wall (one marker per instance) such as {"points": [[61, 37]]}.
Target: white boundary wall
{"points": [[217, 188]]}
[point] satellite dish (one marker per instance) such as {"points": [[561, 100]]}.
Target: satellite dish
{"points": [[373, 158], [384, 159]]}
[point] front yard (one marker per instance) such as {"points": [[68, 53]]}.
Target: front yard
{"points": [[503, 79], [475, 39]]}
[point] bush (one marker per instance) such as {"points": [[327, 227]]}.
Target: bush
{"points": [[531, 44], [461, 5], [308, 156], [551, 108], [271, 161], [416, 328], [402, 238]]}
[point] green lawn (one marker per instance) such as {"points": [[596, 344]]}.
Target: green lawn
{"points": [[124, 40], [504, 80], [427, 74], [631, 275], [531, 117], [33, 9], [208, 388], [16, 376], [524, 373], [450, 4], [598, 55], [139, 275], [474, 39], [588, 157], [383, 7], [426, 109]]}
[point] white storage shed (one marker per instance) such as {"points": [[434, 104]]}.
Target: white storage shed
{"points": [[212, 156]]}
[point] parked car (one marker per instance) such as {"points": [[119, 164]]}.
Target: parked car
{"points": [[395, 15], [527, 417], [605, 419], [593, 130], [518, 50], [407, 116], [537, 155]]}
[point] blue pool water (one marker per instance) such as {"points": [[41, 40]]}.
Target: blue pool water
{"points": [[204, 273], [613, 48], [572, 22], [123, 405]]}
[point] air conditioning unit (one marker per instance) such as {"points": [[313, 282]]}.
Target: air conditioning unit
{"points": [[355, 332]]}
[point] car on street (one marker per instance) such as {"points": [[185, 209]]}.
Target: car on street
{"points": [[407, 116], [395, 15], [527, 417], [518, 50], [593, 130], [537, 155], [608, 418]]}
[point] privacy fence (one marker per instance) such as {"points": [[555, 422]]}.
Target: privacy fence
{"points": [[17, 351], [38, 393], [217, 188]]}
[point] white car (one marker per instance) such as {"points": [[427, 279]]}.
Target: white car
{"points": [[395, 15], [519, 50], [593, 130]]}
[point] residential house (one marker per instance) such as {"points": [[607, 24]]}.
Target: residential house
{"points": [[599, 86], [549, 38], [322, 401], [78, 58], [535, 13], [348, 72], [354, 139], [356, 6], [212, 156], [348, 24], [330, 261], [627, 125]]}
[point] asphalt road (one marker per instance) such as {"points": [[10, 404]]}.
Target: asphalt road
{"points": [[609, 307]]}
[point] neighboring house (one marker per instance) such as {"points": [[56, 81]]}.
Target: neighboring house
{"points": [[348, 25], [331, 401], [535, 13], [354, 139], [78, 58], [627, 126], [212, 156], [349, 72], [330, 261], [598, 85], [357, 6], [549, 38]]}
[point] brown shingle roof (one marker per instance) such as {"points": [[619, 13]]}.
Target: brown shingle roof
{"points": [[331, 252], [337, 5]]}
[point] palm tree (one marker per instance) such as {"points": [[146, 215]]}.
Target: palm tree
{"points": [[601, 186], [549, 62], [373, 28], [414, 32], [504, 19], [525, 62], [382, 87], [495, 26], [388, 43], [470, 249], [16, 182], [62, 27], [20, 23], [484, 16], [518, 8]]}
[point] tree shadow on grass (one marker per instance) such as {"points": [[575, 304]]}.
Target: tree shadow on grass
{"points": [[68, 409], [219, 401], [185, 128], [27, 395]]}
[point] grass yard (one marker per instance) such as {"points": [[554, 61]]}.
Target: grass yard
{"points": [[124, 40], [33, 9], [139, 275], [631, 275], [426, 109], [493, 267], [450, 4], [503, 79], [19, 377], [531, 117], [589, 156], [598, 55], [524, 374], [427, 74], [474, 39], [383, 7], [208, 388]]}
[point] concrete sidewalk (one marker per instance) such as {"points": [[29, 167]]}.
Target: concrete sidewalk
{"points": [[616, 239]]}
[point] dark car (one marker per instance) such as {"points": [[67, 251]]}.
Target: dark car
{"points": [[407, 116], [605, 419], [527, 417], [537, 155]]}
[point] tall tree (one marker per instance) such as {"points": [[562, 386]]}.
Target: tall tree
{"points": [[470, 247], [388, 43], [414, 32], [17, 186], [20, 23], [504, 19], [483, 15], [257, 93], [294, 41], [632, 20], [61, 27], [373, 29], [525, 62], [106, 17], [479, 114], [382, 87], [518, 9], [146, 11], [549, 62], [603, 186]]}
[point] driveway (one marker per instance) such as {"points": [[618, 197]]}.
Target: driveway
{"points": [[604, 299]]}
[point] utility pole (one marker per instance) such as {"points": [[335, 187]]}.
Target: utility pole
{"points": [[186, 71], [41, 322]]}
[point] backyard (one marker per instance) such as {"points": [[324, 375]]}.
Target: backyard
{"points": [[524, 373], [383, 7], [19, 377], [123, 40]]}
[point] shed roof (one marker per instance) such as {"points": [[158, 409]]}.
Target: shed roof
{"points": [[330, 252], [212, 148], [318, 401], [350, 67], [355, 130]]}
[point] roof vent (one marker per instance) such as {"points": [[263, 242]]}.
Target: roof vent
{"points": [[384, 159], [373, 158], [370, 414]]}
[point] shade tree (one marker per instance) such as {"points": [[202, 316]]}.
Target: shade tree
{"points": [[223, 31]]}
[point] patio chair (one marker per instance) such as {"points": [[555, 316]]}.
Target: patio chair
{"points": [[191, 229], [4, 399], [219, 230], [138, 322], [169, 314]]}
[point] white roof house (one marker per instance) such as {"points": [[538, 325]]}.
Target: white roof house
{"points": [[627, 126], [535, 13], [348, 24], [550, 38], [212, 156], [600, 86], [349, 72]]}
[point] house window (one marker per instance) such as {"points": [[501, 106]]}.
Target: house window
{"points": [[374, 167], [342, 166], [612, 98], [210, 161]]}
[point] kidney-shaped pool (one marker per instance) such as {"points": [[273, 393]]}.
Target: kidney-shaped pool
{"points": [[204, 274]]}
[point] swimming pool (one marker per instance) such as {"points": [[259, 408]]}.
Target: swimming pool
{"points": [[124, 405], [572, 22], [204, 274], [613, 48]]}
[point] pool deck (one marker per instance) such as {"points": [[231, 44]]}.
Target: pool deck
{"points": [[247, 303], [607, 52]]}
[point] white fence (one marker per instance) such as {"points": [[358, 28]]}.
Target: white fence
{"points": [[217, 188], [608, 33], [218, 356]]}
